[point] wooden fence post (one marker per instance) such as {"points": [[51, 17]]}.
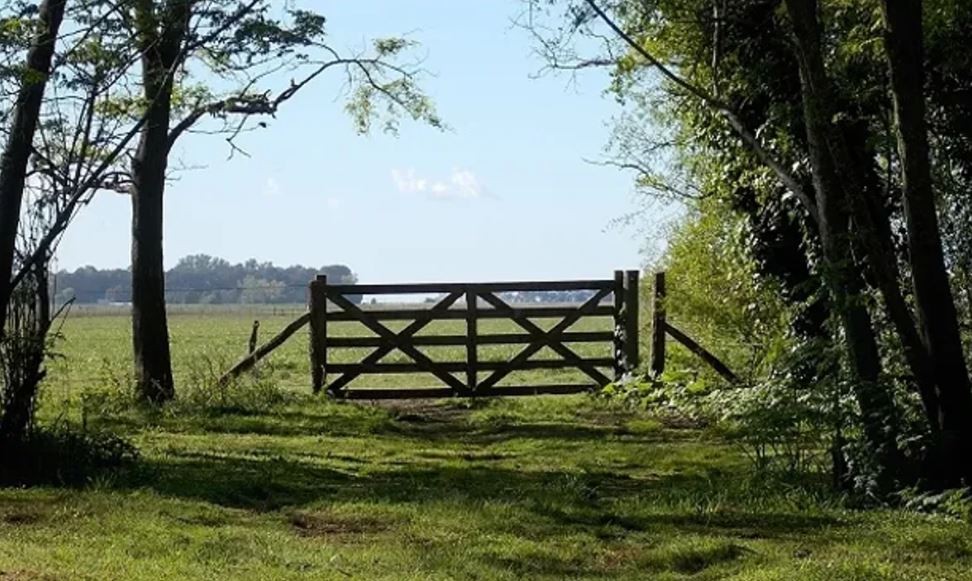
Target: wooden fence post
{"points": [[248, 362], [472, 332], [658, 326], [318, 332], [631, 308], [252, 345], [618, 325]]}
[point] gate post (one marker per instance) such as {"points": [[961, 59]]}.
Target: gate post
{"points": [[658, 326], [318, 332], [626, 289], [472, 332], [618, 325], [631, 308]]}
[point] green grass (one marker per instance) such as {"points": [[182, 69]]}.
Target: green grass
{"points": [[532, 488]]}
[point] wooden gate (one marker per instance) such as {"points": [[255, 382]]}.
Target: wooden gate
{"points": [[472, 303]]}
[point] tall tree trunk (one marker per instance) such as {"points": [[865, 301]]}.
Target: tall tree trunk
{"points": [[160, 35], [873, 233], [16, 153], [937, 317], [150, 332], [834, 205]]}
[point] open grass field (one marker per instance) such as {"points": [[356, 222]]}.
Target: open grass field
{"points": [[206, 341], [530, 488]]}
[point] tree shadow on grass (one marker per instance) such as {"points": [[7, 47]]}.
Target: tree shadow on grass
{"points": [[565, 501], [433, 421], [578, 433], [547, 565], [274, 483], [279, 423], [641, 561], [300, 423], [741, 524]]}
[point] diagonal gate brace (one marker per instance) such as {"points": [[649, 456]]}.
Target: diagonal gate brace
{"points": [[400, 341], [543, 339]]}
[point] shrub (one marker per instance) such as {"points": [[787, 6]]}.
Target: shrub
{"points": [[782, 429], [681, 394], [952, 503], [65, 456]]}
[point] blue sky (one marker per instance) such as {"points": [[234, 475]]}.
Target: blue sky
{"points": [[504, 194]]}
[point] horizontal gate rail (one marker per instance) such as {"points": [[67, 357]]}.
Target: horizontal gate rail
{"points": [[472, 302], [439, 392], [459, 340], [456, 314], [476, 287], [460, 366]]}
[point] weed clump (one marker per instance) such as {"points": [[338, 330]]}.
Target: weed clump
{"points": [[203, 392], [200, 392]]}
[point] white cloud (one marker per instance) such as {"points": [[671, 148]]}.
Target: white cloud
{"points": [[407, 182], [462, 184], [466, 184]]}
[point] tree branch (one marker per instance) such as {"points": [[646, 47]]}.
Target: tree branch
{"points": [[262, 104], [723, 109]]}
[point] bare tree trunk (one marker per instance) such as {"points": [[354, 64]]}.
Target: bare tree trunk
{"points": [[16, 153], [937, 317], [160, 32], [834, 205]]}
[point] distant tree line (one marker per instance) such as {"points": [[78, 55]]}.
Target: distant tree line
{"points": [[202, 279]]}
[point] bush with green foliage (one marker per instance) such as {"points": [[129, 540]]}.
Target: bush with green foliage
{"points": [[716, 295]]}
